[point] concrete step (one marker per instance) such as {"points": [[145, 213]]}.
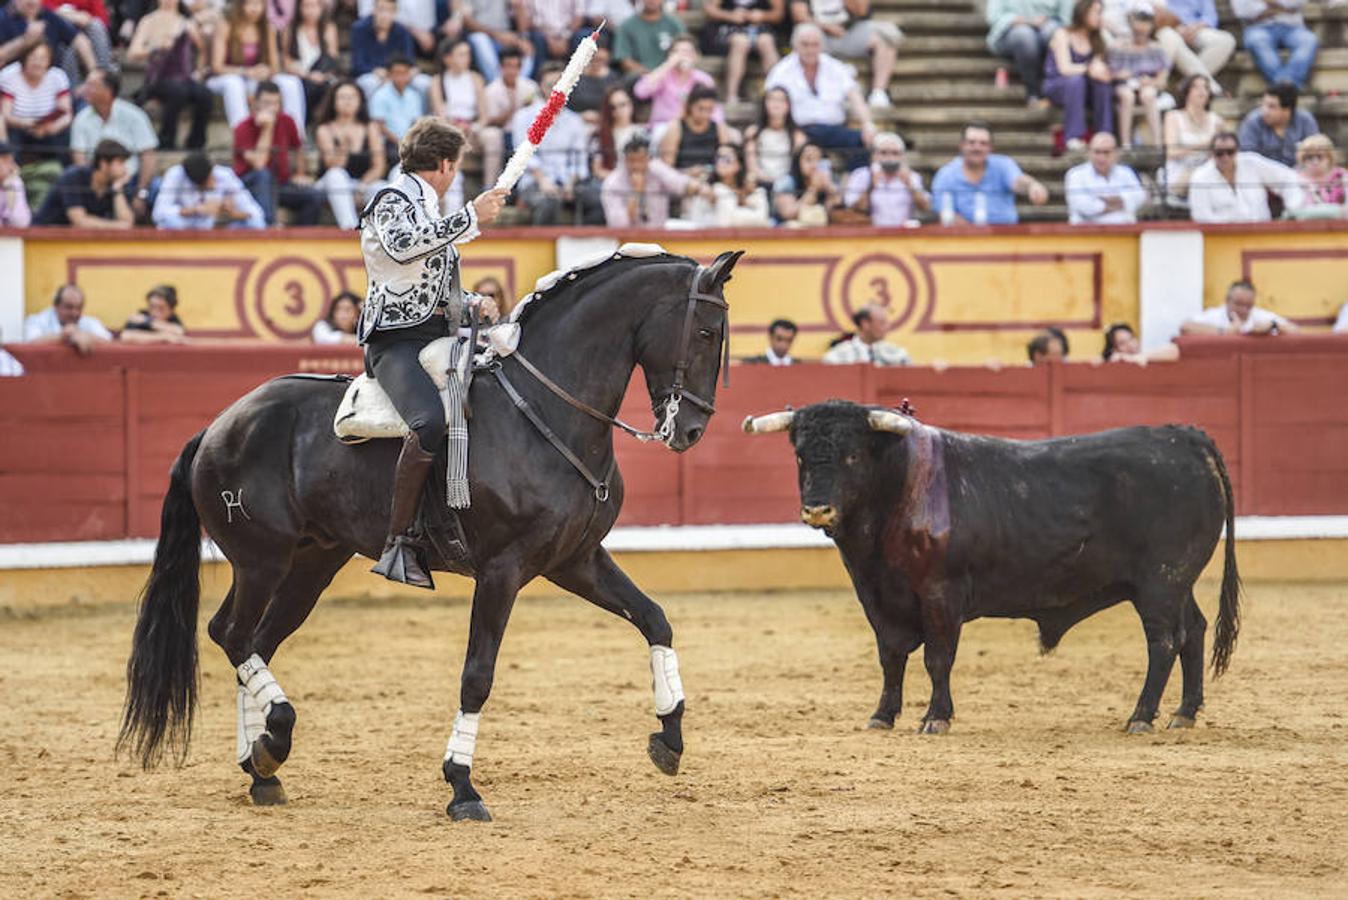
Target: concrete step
{"points": [[1015, 117], [957, 93], [942, 23]]}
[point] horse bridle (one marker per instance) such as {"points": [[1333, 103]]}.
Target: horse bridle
{"points": [[672, 398]]}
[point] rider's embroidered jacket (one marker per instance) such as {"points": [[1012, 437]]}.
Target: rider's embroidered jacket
{"points": [[410, 257]]}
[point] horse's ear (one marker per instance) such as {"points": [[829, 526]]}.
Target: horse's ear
{"points": [[718, 273]]}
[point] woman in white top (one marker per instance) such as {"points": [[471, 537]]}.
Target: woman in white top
{"points": [[1189, 130], [339, 325], [309, 45], [736, 201], [770, 144], [457, 95], [352, 148], [35, 104]]}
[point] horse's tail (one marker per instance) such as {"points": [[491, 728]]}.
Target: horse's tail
{"points": [[1228, 612], [161, 675]]}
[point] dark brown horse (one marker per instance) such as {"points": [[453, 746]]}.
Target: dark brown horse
{"points": [[289, 505]]}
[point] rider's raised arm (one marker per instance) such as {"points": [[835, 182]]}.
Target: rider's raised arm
{"points": [[407, 233]]}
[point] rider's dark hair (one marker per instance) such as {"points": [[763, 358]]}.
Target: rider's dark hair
{"points": [[428, 142]]}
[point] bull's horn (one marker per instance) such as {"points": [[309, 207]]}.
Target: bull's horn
{"points": [[778, 421], [884, 420]]}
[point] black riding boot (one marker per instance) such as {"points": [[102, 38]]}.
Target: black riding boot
{"points": [[400, 561]]}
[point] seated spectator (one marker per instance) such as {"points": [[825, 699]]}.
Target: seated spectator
{"points": [[25, 24], [309, 52], [733, 28], [352, 153], [1238, 315], [158, 322], [1323, 181], [1189, 34], [1273, 26], [636, 194], [65, 322], [888, 191], [805, 197], [1102, 191], [35, 105], [669, 84], [550, 25], [868, 345], [197, 194], [1122, 345], [689, 143], [504, 97], [558, 171], [735, 201], [168, 44], [1077, 76], [643, 40], [1234, 185], [269, 157], [978, 172], [1277, 127], [1019, 31], [458, 94], [616, 128], [108, 117], [1045, 347], [14, 211], [92, 196], [1189, 131], [423, 21], [244, 53], [397, 103], [1141, 71], [90, 18], [781, 335], [376, 40], [339, 325], [771, 143], [595, 80], [489, 29], [850, 33], [822, 90]]}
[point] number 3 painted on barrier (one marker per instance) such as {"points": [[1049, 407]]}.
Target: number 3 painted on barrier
{"points": [[295, 291], [881, 288]]}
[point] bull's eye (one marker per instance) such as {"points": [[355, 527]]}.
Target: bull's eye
{"points": [[705, 333], [800, 461], [850, 459]]}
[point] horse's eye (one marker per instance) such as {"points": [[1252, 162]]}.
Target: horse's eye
{"points": [[705, 333]]}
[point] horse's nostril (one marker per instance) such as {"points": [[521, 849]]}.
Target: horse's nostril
{"points": [[694, 434]]}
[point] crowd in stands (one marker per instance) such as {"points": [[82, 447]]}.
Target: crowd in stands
{"points": [[317, 94]]}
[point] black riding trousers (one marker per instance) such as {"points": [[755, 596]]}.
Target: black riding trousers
{"points": [[391, 359]]}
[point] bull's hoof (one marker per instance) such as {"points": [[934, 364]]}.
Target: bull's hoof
{"points": [[469, 811], [1179, 721], [935, 726], [666, 758], [265, 762], [878, 724], [268, 793], [1137, 726]]}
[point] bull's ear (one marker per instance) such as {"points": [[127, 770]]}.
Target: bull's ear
{"points": [[778, 421], [718, 273], [888, 420]]}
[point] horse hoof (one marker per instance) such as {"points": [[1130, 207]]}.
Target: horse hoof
{"points": [[1137, 726], [1179, 721], [878, 724], [469, 811], [935, 726], [666, 759], [268, 793], [264, 763]]}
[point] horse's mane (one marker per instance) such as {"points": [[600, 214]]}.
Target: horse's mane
{"points": [[560, 282]]}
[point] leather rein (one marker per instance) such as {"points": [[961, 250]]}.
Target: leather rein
{"points": [[672, 398]]}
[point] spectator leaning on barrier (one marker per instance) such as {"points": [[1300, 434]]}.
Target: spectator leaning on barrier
{"points": [[1019, 31], [981, 186], [851, 34], [822, 90], [269, 157], [1122, 345], [1274, 26], [637, 192], [643, 40], [92, 196], [1234, 185], [888, 190], [1276, 128], [14, 211], [868, 346], [1103, 191], [339, 325], [1324, 182], [158, 322], [1046, 346], [108, 117], [781, 335], [198, 194], [1238, 315], [734, 28], [65, 322]]}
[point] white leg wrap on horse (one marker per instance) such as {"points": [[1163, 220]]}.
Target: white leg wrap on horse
{"points": [[463, 739], [665, 679], [258, 680], [251, 724]]}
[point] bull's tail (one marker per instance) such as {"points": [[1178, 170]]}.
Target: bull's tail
{"points": [[1228, 612], [161, 675]]}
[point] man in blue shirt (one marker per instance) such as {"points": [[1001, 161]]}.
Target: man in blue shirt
{"points": [[397, 103], [981, 186], [25, 23], [375, 40], [1195, 44], [1277, 126]]}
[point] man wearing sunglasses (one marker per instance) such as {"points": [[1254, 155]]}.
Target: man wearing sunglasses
{"points": [[1234, 185]]}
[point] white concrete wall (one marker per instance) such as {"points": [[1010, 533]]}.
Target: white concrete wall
{"points": [[11, 290], [1169, 283]]}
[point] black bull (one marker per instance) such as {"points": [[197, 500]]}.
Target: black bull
{"points": [[937, 528]]}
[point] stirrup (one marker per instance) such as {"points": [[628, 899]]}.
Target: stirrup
{"points": [[400, 563]]}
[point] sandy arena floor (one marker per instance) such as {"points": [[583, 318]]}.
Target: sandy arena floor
{"points": [[1035, 792]]}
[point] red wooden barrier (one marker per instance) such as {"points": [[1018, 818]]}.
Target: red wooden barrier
{"points": [[86, 444]]}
